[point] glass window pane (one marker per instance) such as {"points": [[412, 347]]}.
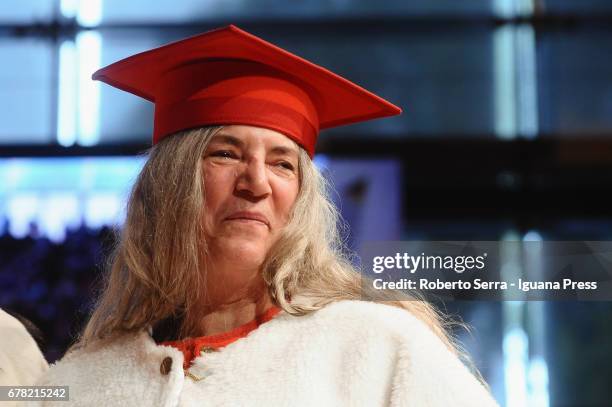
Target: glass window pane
{"points": [[442, 80], [26, 96], [574, 82], [29, 11], [190, 10], [578, 7], [123, 116], [579, 352]]}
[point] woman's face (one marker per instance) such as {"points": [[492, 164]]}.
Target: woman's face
{"points": [[251, 182]]}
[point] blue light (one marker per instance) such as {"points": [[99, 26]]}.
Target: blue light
{"points": [[538, 383], [69, 8], [21, 211], [59, 193], [67, 94], [89, 13], [60, 210], [102, 209], [321, 161], [89, 53], [515, 348]]}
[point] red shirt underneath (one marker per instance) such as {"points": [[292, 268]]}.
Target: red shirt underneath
{"points": [[192, 347]]}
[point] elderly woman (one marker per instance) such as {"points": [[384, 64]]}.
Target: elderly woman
{"points": [[229, 286]]}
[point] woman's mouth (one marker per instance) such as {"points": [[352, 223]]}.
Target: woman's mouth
{"points": [[249, 217]]}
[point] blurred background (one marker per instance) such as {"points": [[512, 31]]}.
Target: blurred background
{"points": [[506, 135]]}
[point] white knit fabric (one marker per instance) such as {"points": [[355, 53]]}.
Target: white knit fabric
{"points": [[350, 353], [21, 362]]}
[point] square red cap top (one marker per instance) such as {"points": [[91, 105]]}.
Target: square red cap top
{"points": [[228, 76]]}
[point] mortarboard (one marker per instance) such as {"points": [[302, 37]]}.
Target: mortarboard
{"points": [[228, 76]]}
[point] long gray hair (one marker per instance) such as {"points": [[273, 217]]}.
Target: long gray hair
{"points": [[158, 268]]}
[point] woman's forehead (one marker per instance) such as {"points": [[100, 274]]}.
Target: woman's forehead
{"points": [[243, 135]]}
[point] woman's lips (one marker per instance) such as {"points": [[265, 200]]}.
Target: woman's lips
{"points": [[249, 217], [246, 220]]}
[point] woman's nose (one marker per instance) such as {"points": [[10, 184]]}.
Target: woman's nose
{"points": [[253, 180]]}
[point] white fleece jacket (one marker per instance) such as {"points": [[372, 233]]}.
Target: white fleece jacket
{"points": [[21, 362], [350, 353]]}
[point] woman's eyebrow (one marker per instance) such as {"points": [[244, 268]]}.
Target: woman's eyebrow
{"points": [[282, 150], [227, 139], [235, 141]]}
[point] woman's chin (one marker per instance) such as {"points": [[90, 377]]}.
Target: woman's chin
{"points": [[244, 250]]}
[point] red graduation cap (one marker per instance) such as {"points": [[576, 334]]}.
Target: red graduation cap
{"points": [[228, 76]]}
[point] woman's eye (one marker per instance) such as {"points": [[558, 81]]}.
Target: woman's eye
{"points": [[223, 154], [286, 165]]}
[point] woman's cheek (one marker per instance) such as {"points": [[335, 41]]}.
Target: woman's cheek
{"points": [[217, 179], [287, 192], [217, 190]]}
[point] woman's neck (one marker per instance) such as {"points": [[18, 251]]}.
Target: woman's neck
{"points": [[220, 318]]}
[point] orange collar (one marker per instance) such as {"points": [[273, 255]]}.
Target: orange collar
{"points": [[192, 347]]}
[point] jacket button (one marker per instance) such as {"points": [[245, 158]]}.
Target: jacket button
{"points": [[165, 366]]}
